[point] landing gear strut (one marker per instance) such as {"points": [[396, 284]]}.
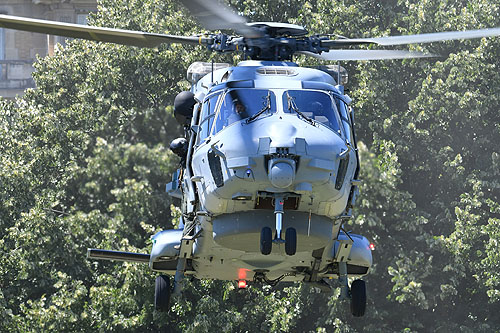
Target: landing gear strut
{"points": [[357, 293], [290, 234]]}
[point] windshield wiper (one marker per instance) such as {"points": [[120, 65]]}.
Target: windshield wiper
{"points": [[264, 109], [292, 106]]}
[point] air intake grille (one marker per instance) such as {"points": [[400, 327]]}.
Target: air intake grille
{"points": [[344, 163], [276, 71]]}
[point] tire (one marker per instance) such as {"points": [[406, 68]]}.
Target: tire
{"points": [[358, 298], [291, 241], [162, 293], [266, 241]]}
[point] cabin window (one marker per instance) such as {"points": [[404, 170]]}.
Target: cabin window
{"points": [[315, 105], [207, 116], [239, 104], [345, 120]]}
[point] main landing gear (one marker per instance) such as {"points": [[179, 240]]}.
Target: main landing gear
{"points": [[358, 298], [162, 293], [357, 293], [266, 241]]}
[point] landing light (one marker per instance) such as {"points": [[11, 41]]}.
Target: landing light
{"points": [[241, 196], [242, 284]]}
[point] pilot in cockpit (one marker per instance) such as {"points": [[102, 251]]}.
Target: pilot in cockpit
{"points": [[321, 115], [238, 112], [317, 108]]}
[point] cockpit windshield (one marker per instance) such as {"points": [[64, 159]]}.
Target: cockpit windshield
{"points": [[312, 105], [247, 104]]}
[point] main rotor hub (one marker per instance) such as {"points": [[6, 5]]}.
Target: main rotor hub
{"points": [[278, 29]]}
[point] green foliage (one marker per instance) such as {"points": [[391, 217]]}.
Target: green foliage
{"points": [[84, 162]]}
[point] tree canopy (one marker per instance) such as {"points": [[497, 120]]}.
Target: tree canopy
{"points": [[84, 160]]}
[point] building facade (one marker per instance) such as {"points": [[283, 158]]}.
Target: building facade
{"points": [[19, 49]]}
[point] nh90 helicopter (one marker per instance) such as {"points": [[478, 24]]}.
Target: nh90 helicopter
{"points": [[269, 163]]}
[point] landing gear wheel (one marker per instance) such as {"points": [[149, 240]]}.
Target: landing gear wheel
{"points": [[358, 298], [266, 240], [291, 241], [162, 293]]}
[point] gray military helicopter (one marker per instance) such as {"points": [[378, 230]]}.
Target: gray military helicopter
{"points": [[269, 162]]}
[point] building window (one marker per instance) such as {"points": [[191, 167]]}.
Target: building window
{"points": [[2, 53], [60, 39], [3, 66], [82, 19]]}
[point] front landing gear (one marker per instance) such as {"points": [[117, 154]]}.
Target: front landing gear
{"points": [[290, 234], [266, 241], [162, 293], [290, 241]]}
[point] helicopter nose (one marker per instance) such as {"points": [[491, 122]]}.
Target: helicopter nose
{"points": [[282, 133], [281, 169], [283, 128]]}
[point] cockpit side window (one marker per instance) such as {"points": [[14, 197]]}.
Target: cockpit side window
{"points": [[239, 104], [315, 105], [207, 116]]}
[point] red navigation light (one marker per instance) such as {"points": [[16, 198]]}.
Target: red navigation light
{"points": [[372, 246], [242, 284], [242, 273]]}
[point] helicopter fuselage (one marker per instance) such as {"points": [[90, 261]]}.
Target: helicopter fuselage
{"points": [[262, 133]]}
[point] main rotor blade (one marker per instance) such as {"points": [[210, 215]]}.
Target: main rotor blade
{"points": [[117, 36], [345, 55], [414, 39], [216, 16]]}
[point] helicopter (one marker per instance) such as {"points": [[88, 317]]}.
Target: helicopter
{"points": [[269, 165]]}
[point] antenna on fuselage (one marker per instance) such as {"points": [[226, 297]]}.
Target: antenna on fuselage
{"points": [[338, 73], [212, 76]]}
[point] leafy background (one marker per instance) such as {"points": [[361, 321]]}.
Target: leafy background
{"points": [[84, 161]]}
